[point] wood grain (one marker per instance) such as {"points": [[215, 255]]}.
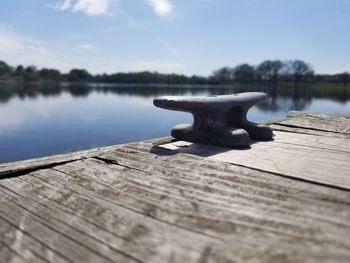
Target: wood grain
{"points": [[287, 200], [334, 123], [308, 158]]}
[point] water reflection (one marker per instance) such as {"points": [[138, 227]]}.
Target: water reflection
{"points": [[40, 120], [287, 97]]}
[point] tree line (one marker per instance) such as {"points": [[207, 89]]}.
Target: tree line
{"points": [[268, 71], [32, 74], [274, 71]]}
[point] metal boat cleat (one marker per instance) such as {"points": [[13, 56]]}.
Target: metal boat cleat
{"points": [[220, 120]]}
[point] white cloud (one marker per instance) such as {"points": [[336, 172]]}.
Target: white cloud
{"points": [[19, 49], [162, 8], [65, 5], [13, 48], [92, 7], [160, 66], [89, 7]]}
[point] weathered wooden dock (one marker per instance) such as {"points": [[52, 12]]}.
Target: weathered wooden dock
{"points": [[286, 200]]}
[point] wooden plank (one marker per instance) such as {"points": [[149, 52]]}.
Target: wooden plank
{"points": [[8, 255], [176, 164], [51, 233], [298, 130], [201, 215], [318, 141], [23, 246], [228, 185], [179, 166], [316, 121], [323, 166], [27, 166], [176, 169], [116, 226], [152, 203], [313, 141], [20, 247]]}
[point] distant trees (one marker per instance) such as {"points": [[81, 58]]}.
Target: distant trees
{"points": [[244, 73], [147, 77], [223, 75], [31, 74], [79, 75], [345, 78], [50, 75], [4, 68], [267, 71], [19, 70], [299, 70]]}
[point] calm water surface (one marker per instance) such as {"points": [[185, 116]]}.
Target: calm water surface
{"points": [[39, 121]]}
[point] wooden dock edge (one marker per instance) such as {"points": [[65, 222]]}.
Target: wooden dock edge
{"points": [[279, 124], [16, 168]]}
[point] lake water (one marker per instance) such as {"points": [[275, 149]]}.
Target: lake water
{"points": [[38, 121]]}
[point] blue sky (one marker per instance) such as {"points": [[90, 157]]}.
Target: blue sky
{"points": [[180, 36]]}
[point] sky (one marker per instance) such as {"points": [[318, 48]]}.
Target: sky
{"points": [[174, 36]]}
